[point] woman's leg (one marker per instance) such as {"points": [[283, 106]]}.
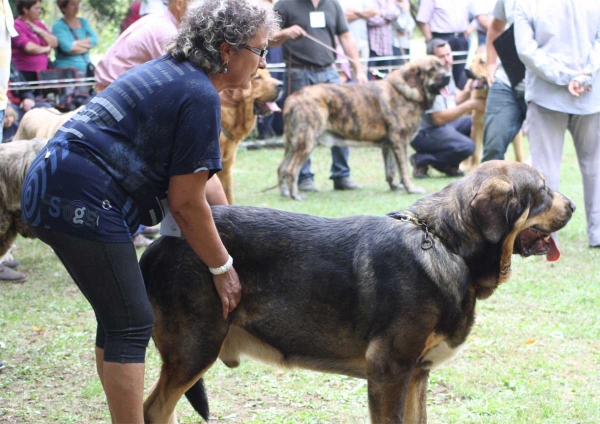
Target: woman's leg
{"points": [[109, 277]]}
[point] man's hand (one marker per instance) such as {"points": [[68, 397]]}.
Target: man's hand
{"points": [[580, 84], [369, 13], [294, 32], [491, 72], [27, 104], [361, 78], [230, 290]]}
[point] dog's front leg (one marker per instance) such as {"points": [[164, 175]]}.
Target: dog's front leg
{"points": [[388, 376], [387, 398], [416, 399], [399, 148]]}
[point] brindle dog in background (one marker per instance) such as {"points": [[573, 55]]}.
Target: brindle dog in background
{"points": [[381, 298], [477, 73], [239, 112], [384, 113]]}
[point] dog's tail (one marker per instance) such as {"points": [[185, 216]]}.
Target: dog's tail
{"points": [[196, 395]]}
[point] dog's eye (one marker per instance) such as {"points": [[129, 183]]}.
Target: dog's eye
{"points": [[256, 78]]}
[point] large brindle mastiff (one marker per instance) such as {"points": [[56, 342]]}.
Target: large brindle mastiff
{"points": [[385, 298], [384, 113]]}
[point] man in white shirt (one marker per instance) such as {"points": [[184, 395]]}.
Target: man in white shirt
{"points": [[559, 43]]}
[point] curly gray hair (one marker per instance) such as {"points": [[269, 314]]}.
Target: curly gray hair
{"points": [[210, 22]]}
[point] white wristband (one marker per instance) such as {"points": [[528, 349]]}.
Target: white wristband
{"points": [[223, 268]]}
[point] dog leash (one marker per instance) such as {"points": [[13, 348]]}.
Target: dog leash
{"points": [[342, 55], [427, 242]]}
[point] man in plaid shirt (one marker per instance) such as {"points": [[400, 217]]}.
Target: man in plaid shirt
{"points": [[381, 32]]}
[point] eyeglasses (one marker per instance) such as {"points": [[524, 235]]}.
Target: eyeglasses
{"points": [[259, 52]]}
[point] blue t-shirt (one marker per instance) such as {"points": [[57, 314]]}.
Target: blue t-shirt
{"points": [[157, 120]]}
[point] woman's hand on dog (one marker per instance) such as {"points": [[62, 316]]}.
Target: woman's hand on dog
{"points": [[230, 290]]}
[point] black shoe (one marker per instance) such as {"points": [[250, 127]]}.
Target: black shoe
{"points": [[419, 171], [307, 185], [345, 183], [452, 171]]}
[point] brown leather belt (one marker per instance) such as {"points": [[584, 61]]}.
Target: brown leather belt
{"points": [[312, 68]]}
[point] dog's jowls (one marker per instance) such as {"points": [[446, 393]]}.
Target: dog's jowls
{"points": [[370, 297], [384, 113], [239, 110]]}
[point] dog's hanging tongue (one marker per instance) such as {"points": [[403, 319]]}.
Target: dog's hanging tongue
{"points": [[272, 106], [445, 92], [553, 253]]}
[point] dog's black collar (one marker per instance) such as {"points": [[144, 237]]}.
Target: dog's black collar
{"points": [[226, 133], [427, 243]]}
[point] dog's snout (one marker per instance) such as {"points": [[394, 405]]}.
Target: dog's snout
{"points": [[446, 79], [572, 206]]}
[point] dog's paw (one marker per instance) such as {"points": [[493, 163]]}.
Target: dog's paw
{"points": [[416, 190], [397, 186], [299, 197]]}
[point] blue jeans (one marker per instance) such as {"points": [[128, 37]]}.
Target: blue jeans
{"points": [[2, 112], [444, 146], [505, 112], [300, 78]]}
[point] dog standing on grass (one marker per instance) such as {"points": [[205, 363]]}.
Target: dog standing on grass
{"points": [[383, 113], [384, 298]]}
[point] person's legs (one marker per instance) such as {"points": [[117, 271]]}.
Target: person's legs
{"points": [[505, 112], [546, 139], [295, 80], [444, 147], [109, 277], [586, 134], [459, 44], [340, 170]]}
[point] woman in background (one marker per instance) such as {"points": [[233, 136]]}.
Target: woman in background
{"points": [[31, 47], [75, 38]]}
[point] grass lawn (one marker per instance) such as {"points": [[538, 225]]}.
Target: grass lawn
{"points": [[533, 356]]}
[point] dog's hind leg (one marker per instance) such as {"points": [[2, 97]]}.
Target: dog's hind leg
{"points": [[282, 170], [189, 346]]}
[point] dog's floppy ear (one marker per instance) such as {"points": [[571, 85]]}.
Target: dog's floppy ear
{"points": [[407, 80], [491, 208]]}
